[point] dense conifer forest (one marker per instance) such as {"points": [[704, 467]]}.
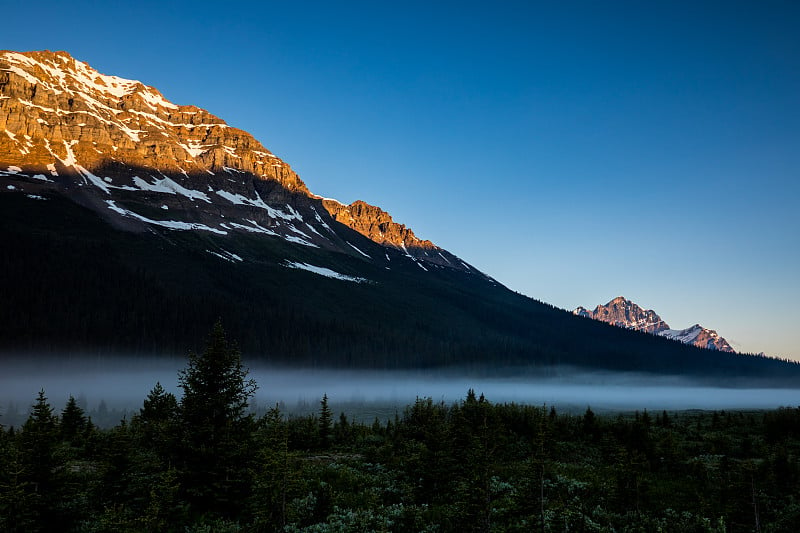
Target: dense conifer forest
{"points": [[204, 462]]}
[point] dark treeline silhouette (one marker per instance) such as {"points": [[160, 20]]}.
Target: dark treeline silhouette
{"points": [[203, 462], [94, 289]]}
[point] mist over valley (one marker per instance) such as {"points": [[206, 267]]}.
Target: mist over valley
{"points": [[120, 384]]}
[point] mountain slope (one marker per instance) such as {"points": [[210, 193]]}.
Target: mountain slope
{"points": [[623, 313], [131, 224], [120, 148]]}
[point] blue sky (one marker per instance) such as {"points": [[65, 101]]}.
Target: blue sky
{"points": [[575, 151]]}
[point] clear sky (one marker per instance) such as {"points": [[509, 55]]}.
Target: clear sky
{"points": [[575, 151]]}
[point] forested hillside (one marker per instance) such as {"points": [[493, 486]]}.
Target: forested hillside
{"points": [[76, 284]]}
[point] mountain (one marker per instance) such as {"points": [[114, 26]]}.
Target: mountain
{"points": [[131, 224], [623, 313], [626, 314], [120, 148], [699, 336]]}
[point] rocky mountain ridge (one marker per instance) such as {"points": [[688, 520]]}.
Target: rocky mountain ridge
{"points": [[624, 313], [119, 147], [378, 226]]}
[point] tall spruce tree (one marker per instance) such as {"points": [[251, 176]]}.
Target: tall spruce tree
{"points": [[159, 406], [156, 422], [216, 428], [73, 423], [38, 442], [325, 423]]}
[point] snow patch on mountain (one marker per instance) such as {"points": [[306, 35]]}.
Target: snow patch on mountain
{"points": [[322, 271], [686, 336], [170, 186], [354, 247], [227, 256], [170, 224]]}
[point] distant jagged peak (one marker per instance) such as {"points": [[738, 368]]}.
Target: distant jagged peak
{"points": [[625, 313], [623, 302], [699, 336]]}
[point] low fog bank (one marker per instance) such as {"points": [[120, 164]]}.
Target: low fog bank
{"points": [[569, 390], [110, 385], [117, 385]]}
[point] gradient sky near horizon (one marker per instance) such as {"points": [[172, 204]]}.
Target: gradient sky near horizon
{"points": [[575, 151]]}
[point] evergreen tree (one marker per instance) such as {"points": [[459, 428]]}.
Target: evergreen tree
{"points": [[156, 422], [325, 422], [590, 423], [159, 406], [216, 429], [476, 438], [277, 475], [341, 430], [38, 439], [73, 423]]}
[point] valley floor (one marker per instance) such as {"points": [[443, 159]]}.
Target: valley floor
{"points": [[470, 466]]}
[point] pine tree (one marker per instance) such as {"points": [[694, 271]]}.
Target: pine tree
{"points": [[73, 423], [325, 423], [159, 406], [156, 422], [216, 429], [38, 441], [590, 423], [277, 476], [341, 430], [39, 436]]}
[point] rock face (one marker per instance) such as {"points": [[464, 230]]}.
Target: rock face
{"points": [[56, 108], [119, 147], [623, 313], [377, 225], [626, 314]]}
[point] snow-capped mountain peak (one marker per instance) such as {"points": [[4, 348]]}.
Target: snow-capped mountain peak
{"points": [[624, 313]]}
